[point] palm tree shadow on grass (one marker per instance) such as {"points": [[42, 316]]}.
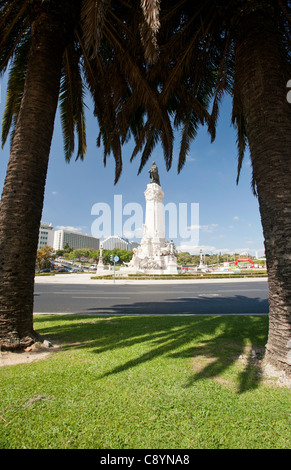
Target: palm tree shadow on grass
{"points": [[211, 360], [212, 343], [213, 356]]}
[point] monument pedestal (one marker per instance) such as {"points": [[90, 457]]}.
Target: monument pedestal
{"points": [[100, 268]]}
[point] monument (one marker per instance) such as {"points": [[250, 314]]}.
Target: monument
{"points": [[154, 255], [202, 267], [100, 265]]}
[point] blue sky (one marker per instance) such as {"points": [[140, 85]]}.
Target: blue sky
{"points": [[229, 219]]}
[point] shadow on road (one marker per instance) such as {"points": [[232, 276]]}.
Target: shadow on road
{"points": [[187, 305]]}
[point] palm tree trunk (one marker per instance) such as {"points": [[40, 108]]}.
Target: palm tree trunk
{"points": [[261, 80], [23, 192]]}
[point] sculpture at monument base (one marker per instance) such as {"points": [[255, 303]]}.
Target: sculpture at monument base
{"points": [[154, 255], [153, 258]]}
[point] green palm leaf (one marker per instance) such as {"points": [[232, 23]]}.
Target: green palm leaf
{"points": [[15, 88], [72, 105]]}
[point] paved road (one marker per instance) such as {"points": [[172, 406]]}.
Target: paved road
{"points": [[198, 297]]}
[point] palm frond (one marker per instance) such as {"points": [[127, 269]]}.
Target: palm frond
{"points": [[116, 149], [11, 12], [10, 38], [72, 105], [220, 86], [93, 16], [15, 88], [122, 92], [189, 132], [11, 20], [239, 123], [152, 139], [149, 28], [66, 109]]}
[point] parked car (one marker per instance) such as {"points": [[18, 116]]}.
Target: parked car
{"points": [[63, 270]]}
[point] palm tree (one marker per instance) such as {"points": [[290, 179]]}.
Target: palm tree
{"points": [[206, 49], [53, 49], [241, 48]]}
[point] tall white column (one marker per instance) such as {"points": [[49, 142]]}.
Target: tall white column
{"points": [[154, 219]]}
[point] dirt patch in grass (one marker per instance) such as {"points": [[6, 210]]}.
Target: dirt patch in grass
{"points": [[36, 352], [205, 365], [40, 350]]}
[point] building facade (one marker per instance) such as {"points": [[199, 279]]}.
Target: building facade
{"points": [[74, 240], [46, 236], [116, 242]]}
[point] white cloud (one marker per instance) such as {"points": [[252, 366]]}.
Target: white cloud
{"points": [[203, 228], [242, 251], [190, 159], [236, 217], [133, 233], [69, 228]]}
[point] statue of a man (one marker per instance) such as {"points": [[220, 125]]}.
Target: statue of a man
{"points": [[154, 174]]}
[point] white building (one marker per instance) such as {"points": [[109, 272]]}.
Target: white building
{"points": [[116, 242], [74, 240], [46, 236]]}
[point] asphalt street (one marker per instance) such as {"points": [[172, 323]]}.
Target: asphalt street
{"points": [[154, 297]]}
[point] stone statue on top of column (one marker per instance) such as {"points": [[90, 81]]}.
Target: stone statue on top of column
{"points": [[154, 174]]}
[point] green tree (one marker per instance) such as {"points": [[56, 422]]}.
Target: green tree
{"points": [[54, 49], [79, 253], [44, 257], [60, 252], [67, 248], [124, 255], [241, 48], [95, 255], [184, 258], [106, 256]]}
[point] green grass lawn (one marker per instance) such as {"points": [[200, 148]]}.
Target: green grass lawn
{"points": [[145, 382]]}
